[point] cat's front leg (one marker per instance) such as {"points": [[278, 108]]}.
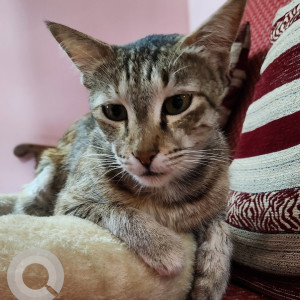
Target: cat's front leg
{"points": [[35, 198], [212, 264], [157, 245]]}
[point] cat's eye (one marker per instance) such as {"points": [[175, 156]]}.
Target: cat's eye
{"points": [[177, 104], [115, 112]]}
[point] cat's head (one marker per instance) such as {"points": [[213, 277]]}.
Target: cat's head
{"points": [[156, 100]]}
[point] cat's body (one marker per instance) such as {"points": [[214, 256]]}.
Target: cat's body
{"points": [[149, 160]]}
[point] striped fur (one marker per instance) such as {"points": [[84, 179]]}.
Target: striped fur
{"points": [[153, 173]]}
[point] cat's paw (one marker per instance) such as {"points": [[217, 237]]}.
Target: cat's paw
{"points": [[166, 255]]}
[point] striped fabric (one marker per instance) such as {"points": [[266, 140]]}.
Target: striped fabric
{"points": [[260, 14], [264, 202], [285, 18]]}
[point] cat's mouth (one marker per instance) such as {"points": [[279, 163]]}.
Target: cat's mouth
{"points": [[150, 174], [153, 179]]}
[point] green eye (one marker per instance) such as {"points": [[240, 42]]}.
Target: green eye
{"points": [[115, 112], [177, 104]]}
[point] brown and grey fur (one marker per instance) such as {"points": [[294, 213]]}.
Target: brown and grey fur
{"points": [[152, 174]]}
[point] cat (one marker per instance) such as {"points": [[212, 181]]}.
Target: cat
{"points": [[149, 161]]}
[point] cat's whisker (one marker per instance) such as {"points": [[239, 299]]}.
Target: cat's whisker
{"points": [[103, 159], [187, 170], [139, 190], [105, 166], [207, 158], [176, 158], [110, 167], [173, 55], [123, 175], [203, 154], [179, 55], [107, 162], [137, 185], [194, 155], [205, 150], [207, 154], [116, 175], [99, 155], [101, 175], [98, 147], [178, 70]]}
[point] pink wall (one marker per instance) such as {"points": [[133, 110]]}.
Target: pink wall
{"points": [[200, 11], [40, 92]]}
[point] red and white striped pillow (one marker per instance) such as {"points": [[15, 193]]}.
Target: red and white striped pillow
{"points": [[264, 202]]}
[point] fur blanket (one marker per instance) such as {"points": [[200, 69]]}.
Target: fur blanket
{"points": [[96, 265]]}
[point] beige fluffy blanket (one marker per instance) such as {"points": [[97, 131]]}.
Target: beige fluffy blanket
{"points": [[95, 264]]}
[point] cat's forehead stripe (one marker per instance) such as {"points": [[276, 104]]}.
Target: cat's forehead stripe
{"points": [[165, 77], [123, 84]]}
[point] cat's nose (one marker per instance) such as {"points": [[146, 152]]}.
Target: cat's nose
{"points": [[145, 157]]}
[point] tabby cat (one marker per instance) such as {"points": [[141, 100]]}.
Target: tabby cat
{"points": [[149, 160]]}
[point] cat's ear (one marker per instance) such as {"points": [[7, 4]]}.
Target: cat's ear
{"points": [[219, 32], [86, 52]]}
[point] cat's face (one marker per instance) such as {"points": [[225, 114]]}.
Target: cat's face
{"points": [[154, 103], [156, 100]]}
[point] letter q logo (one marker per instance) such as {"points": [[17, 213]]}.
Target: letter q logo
{"points": [[25, 259]]}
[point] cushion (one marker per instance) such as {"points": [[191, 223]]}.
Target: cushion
{"points": [[236, 292], [264, 201], [93, 264], [263, 283], [260, 14]]}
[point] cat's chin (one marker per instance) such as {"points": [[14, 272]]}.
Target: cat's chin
{"points": [[151, 179]]}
